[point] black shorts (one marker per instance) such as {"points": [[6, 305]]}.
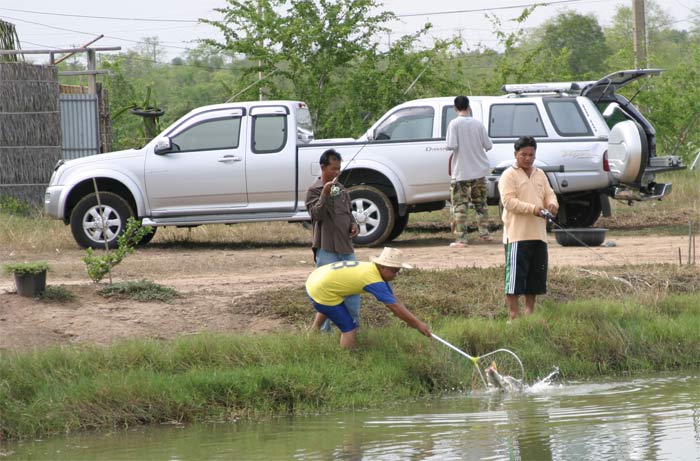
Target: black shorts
{"points": [[526, 268]]}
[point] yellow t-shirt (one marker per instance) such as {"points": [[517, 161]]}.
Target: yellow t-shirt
{"points": [[330, 284]]}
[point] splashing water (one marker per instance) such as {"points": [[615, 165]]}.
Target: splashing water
{"points": [[544, 383], [504, 383]]}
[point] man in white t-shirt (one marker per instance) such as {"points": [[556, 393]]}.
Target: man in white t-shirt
{"points": [[468, 141]]}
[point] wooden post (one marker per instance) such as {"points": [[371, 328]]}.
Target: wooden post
{"points": [[92, 65], [640, 34], [690, 239]]}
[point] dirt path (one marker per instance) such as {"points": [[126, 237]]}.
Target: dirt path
{"points": [[216, 284]]}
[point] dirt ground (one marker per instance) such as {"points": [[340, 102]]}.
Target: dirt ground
{"points": [[217, 285]]}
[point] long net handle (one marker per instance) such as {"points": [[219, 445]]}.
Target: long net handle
{"points": [[456, 349], [473, 360]]}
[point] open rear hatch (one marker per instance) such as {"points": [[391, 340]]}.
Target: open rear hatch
{"points": [[632, 142]]}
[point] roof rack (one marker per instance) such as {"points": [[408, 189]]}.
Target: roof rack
{"points": [[550, 87]]}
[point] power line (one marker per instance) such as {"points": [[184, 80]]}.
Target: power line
{"points": [[100, 17], [93, 34], [481, 10]]}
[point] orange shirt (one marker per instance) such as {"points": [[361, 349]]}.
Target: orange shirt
{"points": [[519, 196]]}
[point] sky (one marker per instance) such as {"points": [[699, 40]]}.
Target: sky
{"points": [[44, 24]]}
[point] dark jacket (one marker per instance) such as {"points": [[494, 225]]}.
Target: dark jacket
{"points": [[332, 219]]}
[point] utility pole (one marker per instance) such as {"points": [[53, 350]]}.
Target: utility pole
{"points": [[640, 34], [260, 76]]}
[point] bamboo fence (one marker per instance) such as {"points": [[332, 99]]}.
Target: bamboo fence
{"points": [[30, 129]]}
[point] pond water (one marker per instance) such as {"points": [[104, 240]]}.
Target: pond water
{"points": [[649, 418]]}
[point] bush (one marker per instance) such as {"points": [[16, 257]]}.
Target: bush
{"points": [[10, 205], [99, 266], [26, 268]]}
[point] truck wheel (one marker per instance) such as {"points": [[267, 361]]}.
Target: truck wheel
{"points": [[581, 211], [86, 220], [374, 214], [400, 223], [148, 237]]}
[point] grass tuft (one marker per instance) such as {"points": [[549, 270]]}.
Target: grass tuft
{"points": [[142, 291], [57, 294]]}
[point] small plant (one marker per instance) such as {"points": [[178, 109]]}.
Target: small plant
{"points": [[21, 269], [12, 206], [57, 295], [143, 291], [100, 265]]}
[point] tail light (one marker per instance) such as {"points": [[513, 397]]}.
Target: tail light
{"points": [[606, 165]]}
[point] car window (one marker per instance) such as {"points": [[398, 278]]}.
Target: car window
{"points": [[220, 133], [449, 114], [613, 113], [407, 124], [567, 118], [515, 120], [269, 133]]}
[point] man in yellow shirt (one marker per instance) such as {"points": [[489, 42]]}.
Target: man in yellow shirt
{"points": [[329, 285], [525, 193]]}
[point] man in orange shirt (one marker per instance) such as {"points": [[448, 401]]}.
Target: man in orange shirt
{"points": [[525, 194]]}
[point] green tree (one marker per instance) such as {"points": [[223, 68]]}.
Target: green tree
{"points": [[326, 53], [581, 38], [671, 101], [619, 36], [520, 60]]}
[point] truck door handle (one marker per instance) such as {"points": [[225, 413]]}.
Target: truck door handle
{"points": [[229, 158]]}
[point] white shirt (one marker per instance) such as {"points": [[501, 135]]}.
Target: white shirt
{"points": [[468, 140]]}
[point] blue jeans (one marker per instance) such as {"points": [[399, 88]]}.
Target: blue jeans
{"points": [[324, 257]]}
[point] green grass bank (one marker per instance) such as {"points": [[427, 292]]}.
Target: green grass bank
{"points": [[224, 378]]}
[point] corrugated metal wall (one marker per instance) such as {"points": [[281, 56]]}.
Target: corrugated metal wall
{"points": [[80, 125]]}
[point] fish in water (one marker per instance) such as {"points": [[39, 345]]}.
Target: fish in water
{"points": [[504, 382]]}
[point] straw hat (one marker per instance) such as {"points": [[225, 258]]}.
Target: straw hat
{"points": [[391, 257]]}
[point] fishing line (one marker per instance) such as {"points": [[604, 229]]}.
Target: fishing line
{"points": [[550, 217], [626, 277], [335, 190]]}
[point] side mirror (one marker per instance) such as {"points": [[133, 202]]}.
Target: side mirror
{"points": [[369, 135], [304, 136], [163, 146]]}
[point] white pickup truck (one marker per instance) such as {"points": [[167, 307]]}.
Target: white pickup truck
{"points": [[253, 161]]}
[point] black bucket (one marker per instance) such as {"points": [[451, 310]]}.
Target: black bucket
{"points": [[31, 285]]}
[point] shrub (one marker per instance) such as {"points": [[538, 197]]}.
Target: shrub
{"points": [[26, 268], [100, 265]]}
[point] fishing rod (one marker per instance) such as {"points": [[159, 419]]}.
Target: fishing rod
{"points": [[335, 190]]}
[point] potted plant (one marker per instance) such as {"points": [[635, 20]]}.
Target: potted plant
{"points": [[30, 277]]}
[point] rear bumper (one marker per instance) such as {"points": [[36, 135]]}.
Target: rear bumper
{"points": [[657, 192]]}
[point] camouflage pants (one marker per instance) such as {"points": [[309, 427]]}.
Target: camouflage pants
{"points": [[462, 193]]}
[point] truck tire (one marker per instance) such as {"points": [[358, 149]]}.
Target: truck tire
{"points": [[86, 223], [148, 237], [400, 223], [577, 212], [374, 214]]}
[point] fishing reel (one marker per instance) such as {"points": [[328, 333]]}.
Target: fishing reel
{"points": [[546, 214], [335, 190]]}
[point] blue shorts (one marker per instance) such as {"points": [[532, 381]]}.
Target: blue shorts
{"points": [[339, 315]]}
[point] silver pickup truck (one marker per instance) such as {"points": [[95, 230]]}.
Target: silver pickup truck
{"points": [[253, 161]]}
